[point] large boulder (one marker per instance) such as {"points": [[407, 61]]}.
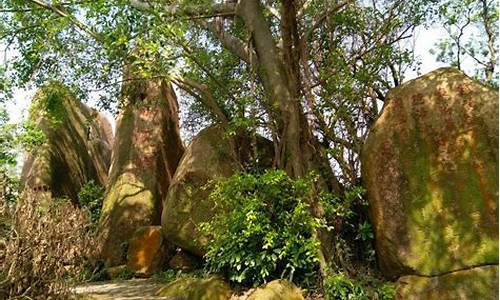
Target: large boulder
{"points": [[146, 152], [76, 146], [212, 154], [430, 164], [475, 283]]}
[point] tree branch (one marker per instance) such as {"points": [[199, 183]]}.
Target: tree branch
{"points": [[61, 11], [206, 97], [232, 43], [220, 9]]}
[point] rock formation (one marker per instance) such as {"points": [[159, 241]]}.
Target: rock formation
{"points": [[430, 165], [76, 147], [147, 251], [210, 155], [146, 152]]}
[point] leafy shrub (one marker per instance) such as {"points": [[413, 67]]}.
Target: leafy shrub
{"points": [[348, 217], [48, 247], [91, 196], [339, 286], [263, 229]]}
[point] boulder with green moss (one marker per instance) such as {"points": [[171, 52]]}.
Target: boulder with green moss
{"points": [[277, 290], [430, 164], [475, 283], [210, 288], [146, 152], [76, 144], [212, 154]]}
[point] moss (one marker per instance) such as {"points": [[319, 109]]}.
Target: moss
{"points": [[431, 167], [51, 102], [446, 210], [277, 290], [475, 283], [196, 289]]}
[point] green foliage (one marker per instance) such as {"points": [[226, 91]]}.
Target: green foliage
{"points": [[49, 103], [167, 276], [91, 197], [472, 37], [348, 216], [126, 274], [9, 182], [30, 137], [7, 156], [263, 229], [339, 286], [171, 275]]}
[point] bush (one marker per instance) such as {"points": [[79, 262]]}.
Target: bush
{"points": [[263, 229], [339, 286], [91, 196], [354, 237], [48, 247]]}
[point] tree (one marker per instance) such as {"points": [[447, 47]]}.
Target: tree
{"points": [[305, 62], [310, 74], [472, 28]]}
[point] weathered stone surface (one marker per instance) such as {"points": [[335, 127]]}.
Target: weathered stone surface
{"points": [[77, 144], [147, 251], [470, 284], [210, 155], [430, 165], [277, 290], [196, 289], [146, 152]]}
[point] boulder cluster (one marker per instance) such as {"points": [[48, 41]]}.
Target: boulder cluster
{"points": [[430, 167]]}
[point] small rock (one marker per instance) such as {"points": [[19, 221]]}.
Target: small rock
{"points": [[210, 288], [277, 290]]}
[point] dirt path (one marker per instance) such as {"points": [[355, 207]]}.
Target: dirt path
{"points": [[134, 289]]}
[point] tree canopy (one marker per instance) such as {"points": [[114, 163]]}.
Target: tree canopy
{"points": [[310, 74]]}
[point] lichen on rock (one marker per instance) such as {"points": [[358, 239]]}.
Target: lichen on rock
{"points": [[430, 164], [76, 147], [146, 152]]}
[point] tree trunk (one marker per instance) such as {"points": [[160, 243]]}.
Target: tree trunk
{"points": [[299, 151]]}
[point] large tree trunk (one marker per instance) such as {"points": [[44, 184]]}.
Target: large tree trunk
{"points": [[299, 151]]}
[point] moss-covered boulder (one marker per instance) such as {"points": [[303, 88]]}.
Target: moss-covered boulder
{"points": [[277, 290], [146, 152], [147, 251], [211, 154], [430, 164], [76, 145], [476, 283], [210, 288]]}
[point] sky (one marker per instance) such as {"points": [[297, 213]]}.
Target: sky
{"points": [[425, 39]]}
